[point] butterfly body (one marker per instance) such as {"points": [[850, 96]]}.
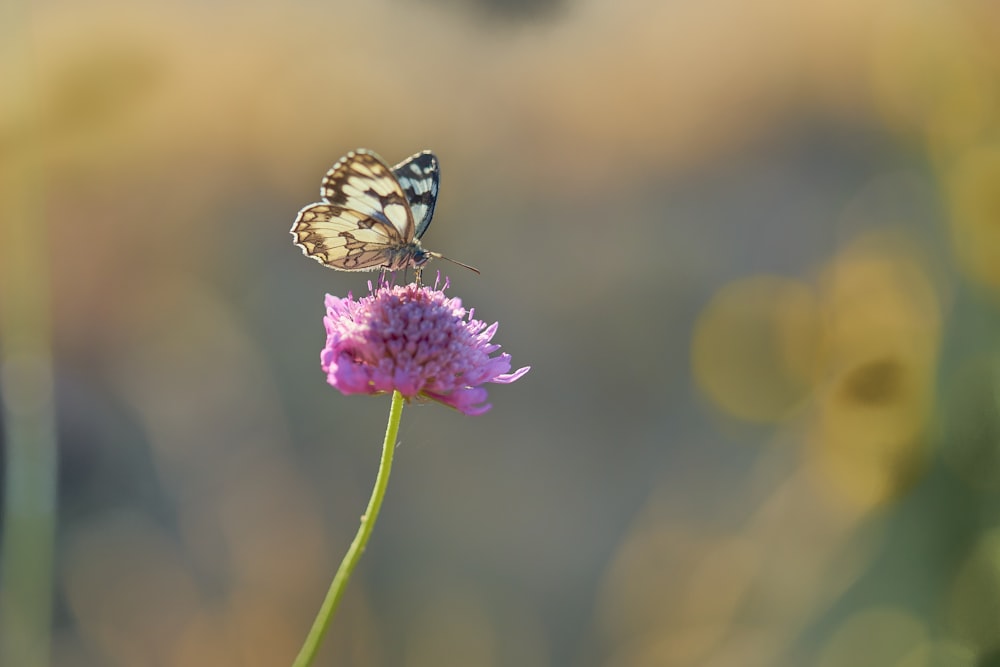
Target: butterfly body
{"points": [[372, 216]]}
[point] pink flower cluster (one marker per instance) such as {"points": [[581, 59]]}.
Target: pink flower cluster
{"points": [[416, 340]]}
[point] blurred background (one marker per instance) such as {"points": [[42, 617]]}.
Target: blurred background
{"points": [[751, 249]]}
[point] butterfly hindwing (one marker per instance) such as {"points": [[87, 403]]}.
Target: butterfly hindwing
{"points": [[344, 238], [420, 176]]}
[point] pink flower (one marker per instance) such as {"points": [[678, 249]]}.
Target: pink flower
{"points": [[415, 340]]}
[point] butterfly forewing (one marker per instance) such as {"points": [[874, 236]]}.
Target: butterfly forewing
{"points": [[419, 176], [362, 182]]}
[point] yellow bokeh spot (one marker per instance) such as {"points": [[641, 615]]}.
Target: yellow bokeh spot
{"points": [[859, 350], [754, 348], [881, 330], [973, 187]]}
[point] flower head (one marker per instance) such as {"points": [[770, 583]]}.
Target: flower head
{"points": [[415, 340]]}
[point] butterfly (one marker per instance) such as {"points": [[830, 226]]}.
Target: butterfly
{"points": [[372, 216]]}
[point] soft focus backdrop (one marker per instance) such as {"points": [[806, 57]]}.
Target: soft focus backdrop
{"points": [[751, 249]]}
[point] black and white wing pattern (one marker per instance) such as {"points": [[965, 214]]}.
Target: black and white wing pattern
{"points": [[420, 177], [366, 218]]}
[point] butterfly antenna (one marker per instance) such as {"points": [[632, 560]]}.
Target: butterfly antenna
{"points": [[455, 261]]}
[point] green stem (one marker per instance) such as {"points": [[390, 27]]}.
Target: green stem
{"points": [[322, 623]]}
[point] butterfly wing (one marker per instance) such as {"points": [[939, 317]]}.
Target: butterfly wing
{"points": [[364, 218], [420, 176], [345, 239]]}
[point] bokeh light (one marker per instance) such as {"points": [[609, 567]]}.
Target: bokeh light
{"points": [[756, 347]]}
